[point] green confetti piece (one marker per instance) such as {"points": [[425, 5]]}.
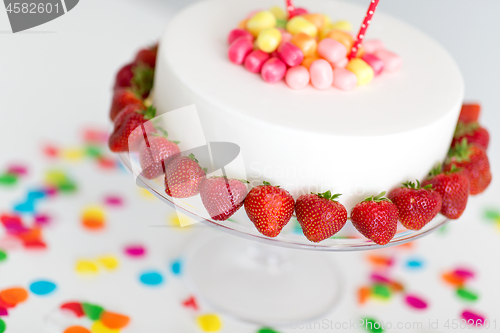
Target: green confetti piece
{"points": [[67, 186], [267, 330], [381, 291], [55, 177], [93, 151], [92, 311], [3, 255], [3, 327], [492, 214], [443, 230], [371, 325], [8, 179], [467, 295]]}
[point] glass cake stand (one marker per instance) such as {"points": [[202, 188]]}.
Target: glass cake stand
{"points": [[264, 280]]}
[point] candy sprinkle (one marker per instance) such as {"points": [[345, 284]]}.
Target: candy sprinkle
{"points": [[42, 287], [371, 325], [109, 262], [135, 251], [92, 311], [467, 295], [381, 291], [415, 302], [470, 316], [76, 329], [3, 312], [209, 322], [414, 263], [3, 327], [8, 179], [151, 278], [113, 201], [190, 303]]}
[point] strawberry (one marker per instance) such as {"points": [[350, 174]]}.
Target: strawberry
{"points": [[121, 98], [138, 77], [269, 208], [474, 161], [320, 215], [125, 124], [222, 196], [416, 205], [147, 56], [473, 132], [183, 177], [470, 112], [155, 154], [124, 76], [453, 186], [376, 218]]}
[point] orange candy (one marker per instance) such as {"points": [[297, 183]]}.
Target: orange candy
{"points": [[317, 19], [363, 294], [13, 296], [309, 60], [76, 329], [243, 24], [306, 43], [114, 320], [343, 37]]}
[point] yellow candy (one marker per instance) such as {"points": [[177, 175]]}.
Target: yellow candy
{"points": [[342, 25], [279, 13], [260, 21], [299, 24], [317, 19], [327, 19], [362, 70], [306, 43], [209, 323], [269, 40]]}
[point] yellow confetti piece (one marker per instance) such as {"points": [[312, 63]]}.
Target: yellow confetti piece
{"points": [[86, 267], [109, 262], [146, 194], [55, 177], [99, 327], [93, 217], [181, 221], [209, 322], [73, 154]]}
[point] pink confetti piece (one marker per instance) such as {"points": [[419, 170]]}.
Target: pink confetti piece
{"points": [[415, 302], [92, 135], [375, 277], [191, 303], [50, 191], [464, 273], [113, 200], [42, 220], [3, 312], [472, 316], [17, 169], [135, 250]]}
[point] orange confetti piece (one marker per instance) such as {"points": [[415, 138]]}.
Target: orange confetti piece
{"points": [[14, 296], [396, 286], [93, 218], [379, 260], [363, 295], [76, 329], [114, 320], [453, 279]]}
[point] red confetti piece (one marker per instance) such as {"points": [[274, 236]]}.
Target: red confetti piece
{"points": [[415, 302], [91, 135], [191, 303], [73, 307], [469, 315], [106, 163], [50, 151]]}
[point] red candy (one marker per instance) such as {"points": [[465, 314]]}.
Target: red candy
{"points": [[255, 60], [273, 70], [239, 49], [290, 54], [375, 63], [237, 33], [298, 11]]}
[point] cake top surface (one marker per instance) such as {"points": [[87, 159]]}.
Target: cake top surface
{"points": [[427, 88]]}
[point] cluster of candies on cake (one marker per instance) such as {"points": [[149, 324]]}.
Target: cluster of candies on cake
{"points": [[307, 48], [465, 171]]}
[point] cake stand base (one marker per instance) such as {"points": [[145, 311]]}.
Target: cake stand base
{"points": [[261, 283]]}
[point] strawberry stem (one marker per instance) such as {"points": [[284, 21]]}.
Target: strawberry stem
{"points": [[378, 198], [328, 195], [460, 152]]}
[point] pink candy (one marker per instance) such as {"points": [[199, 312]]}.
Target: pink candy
{"points": [[344, 79], [321, 74], [273, 70], [290, 54], [237, 33], [285, 36], [297, 77], [375, 63], [330, 49], [373, 45], [340, 64], [255, 60], [239, 49], [392, 62]]}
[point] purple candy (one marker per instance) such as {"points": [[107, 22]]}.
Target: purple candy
{"points": [[255, 60], [239, 49], [273, 70], [290, 54]]}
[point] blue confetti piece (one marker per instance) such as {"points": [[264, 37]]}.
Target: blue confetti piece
{"points": [[415, 263], [25, 207], [177, 267], [151, 278], [36, 194], [42, 287]]}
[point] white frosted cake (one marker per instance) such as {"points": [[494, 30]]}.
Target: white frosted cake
{"points": [[357, 143]]}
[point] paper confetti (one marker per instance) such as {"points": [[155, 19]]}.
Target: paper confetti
{"points": [[381, 291], [113, 201], [42, 287], [371, 325], [267, 330], [3, 327], [415, 302], [151, 278], [86, 267], [467, 295], [135, 251], [8, 179], [415, 263], [114, 320], [191, 303], [109, 262], [209, 323], [76, 329], [99, 327], [14, 296], [473, 317], [3, 255], [177, 267], [93, 218], [74, 307], [92, 311]]}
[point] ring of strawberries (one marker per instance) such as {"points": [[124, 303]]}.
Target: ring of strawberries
{"points": [[464, 172]]}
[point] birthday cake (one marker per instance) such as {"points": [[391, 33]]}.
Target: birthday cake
{"points": [[358, 123]]}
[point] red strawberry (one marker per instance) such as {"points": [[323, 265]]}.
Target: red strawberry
{"points": [[376, 218], [453, 186], [473, 133], [222, 196], [320, 215], [474, 161], [137, 76], [269, 208], [125, 131], [157, 155], [147, 56], [183, 177], [124, 76], [417, 205], [470, 112], [121, 98]]}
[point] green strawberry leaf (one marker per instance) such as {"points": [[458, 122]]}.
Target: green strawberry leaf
{"points": [[465, 128], [150, 113], [460, 152], [143, 79], [378, 198]]}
